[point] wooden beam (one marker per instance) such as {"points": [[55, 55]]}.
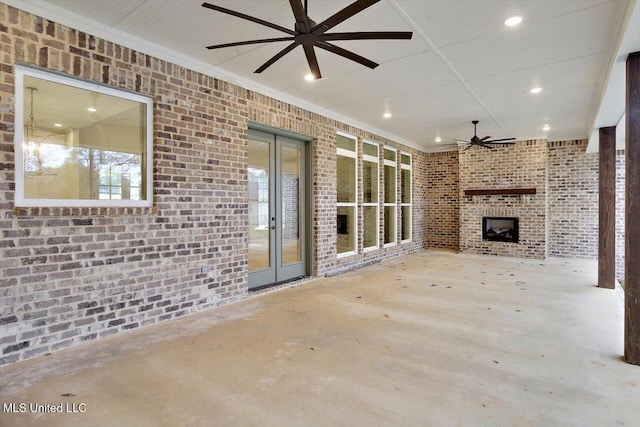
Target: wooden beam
{"points": [[632, 223], [607, 210], [500, 191]]}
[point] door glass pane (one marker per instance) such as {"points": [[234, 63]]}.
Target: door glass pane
{"points": [[291, 206], [259, 221], [346, 229], [370, 226], [369, 182], [389, 224]]}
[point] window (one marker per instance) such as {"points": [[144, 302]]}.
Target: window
{"points": [[370, 207], [390, 197], [405, 197], [80, 144], [346, 188]]}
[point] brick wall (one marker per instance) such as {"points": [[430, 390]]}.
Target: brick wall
{"points": [[442, 198], [69, 275], [573, 200], [521, 165]]}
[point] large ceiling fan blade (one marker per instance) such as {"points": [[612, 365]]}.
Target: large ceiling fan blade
{"points": [[342, 15], [248, 18], [486, 141], [463, 141], [279, 55], [347, 54], [313, 61], [300, 15], [501, 141], [278, 39], [368, 35]]}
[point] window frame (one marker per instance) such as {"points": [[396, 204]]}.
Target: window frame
{"points": [[408, 167], [19, 198], [354, 155], [393, 164], [376, 160]]}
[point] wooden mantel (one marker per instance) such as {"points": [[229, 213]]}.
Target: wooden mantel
{"points": [[500, 192]]}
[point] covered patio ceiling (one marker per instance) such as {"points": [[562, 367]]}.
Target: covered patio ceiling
{"points": [[462, 64]]}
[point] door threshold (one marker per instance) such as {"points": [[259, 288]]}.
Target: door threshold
{"points": [[279, 285]]}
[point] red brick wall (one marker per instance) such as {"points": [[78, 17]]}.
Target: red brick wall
{"points": [[573, 200], [442, 198]]}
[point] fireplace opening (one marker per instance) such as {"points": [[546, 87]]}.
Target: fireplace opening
{"points": [[500, 229]]}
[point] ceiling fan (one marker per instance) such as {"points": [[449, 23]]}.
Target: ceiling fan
{"points": [[483, 142], [309, 34]]}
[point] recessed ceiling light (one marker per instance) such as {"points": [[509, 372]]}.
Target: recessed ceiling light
{"points": [[513, 21], [438, 139], [58, 125], [309, 77], [91, 109], [386, 115], [546, 128], [535, 90]]}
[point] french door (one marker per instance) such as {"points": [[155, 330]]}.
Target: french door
{"points": [[277, 214]]}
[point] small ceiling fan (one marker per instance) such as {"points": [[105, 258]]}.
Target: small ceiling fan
{"points": [[309, 34], [483, 142]]}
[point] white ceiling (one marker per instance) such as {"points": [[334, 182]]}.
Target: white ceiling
{"points": [[462, 64]]}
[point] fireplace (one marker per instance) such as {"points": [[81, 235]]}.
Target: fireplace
{"points": [[500, 229], [343, 224]]}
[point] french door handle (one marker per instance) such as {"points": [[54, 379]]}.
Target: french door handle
{"points": [[273, 227]]}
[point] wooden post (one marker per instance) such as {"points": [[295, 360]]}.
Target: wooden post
{"points": [[607, 216], [632, 225]]}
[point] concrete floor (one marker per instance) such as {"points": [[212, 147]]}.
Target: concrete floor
{"points": [[431, 339]]}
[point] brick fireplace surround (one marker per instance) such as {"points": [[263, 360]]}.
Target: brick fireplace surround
{"points": [[520, 165], [562, 215]]}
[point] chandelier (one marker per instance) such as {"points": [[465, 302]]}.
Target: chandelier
{"points": [[34, 137]]}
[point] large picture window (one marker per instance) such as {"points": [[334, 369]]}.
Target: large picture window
{"points": [[370, 206], [390, 196], [405, 197], [80, 144], [347, 206]]}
